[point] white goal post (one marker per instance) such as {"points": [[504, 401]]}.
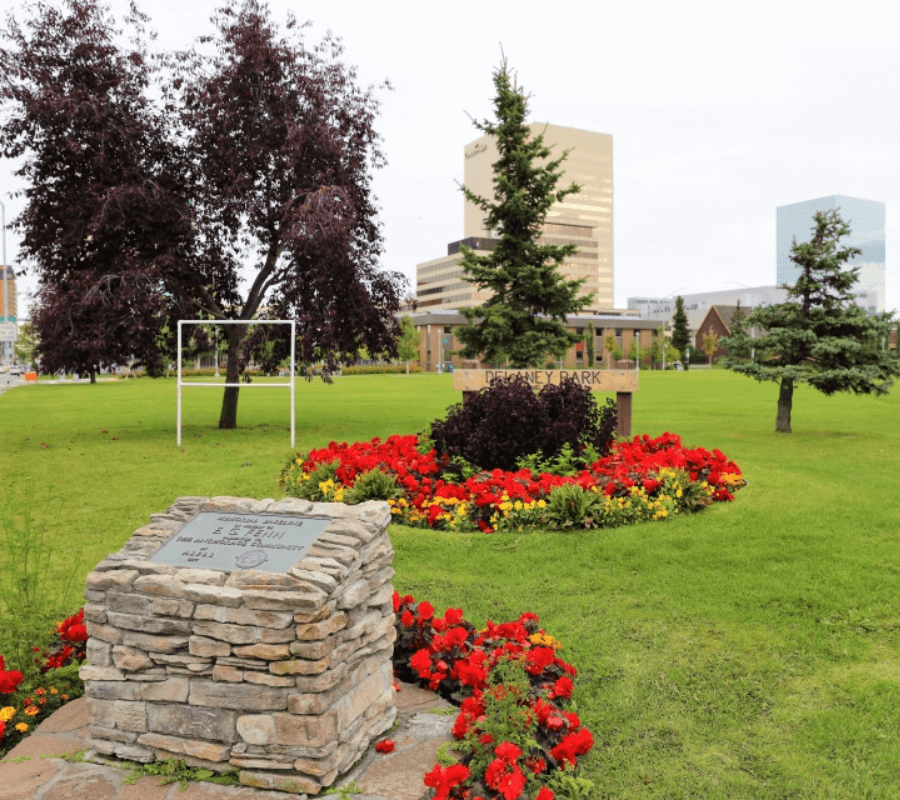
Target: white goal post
{"points": [[290, 383]]}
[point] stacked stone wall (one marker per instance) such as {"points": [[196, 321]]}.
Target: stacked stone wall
{"points": [[285, 676]]}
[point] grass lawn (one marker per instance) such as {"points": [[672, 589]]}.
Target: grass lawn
{"points": [[750, 651]]}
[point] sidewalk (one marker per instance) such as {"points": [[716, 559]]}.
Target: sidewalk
{"points": [[33, 770]]}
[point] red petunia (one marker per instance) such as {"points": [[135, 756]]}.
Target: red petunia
{"points": [[425, 610], [443, 779]]}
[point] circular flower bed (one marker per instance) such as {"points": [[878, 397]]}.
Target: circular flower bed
{"points": [[644, 479]]}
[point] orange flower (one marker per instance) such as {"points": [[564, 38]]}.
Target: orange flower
{"points": [[32, 711]]}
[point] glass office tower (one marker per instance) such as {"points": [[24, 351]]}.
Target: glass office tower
{"points": [[866, 221]]}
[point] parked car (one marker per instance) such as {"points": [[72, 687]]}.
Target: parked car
{"points": [[17, 369]]}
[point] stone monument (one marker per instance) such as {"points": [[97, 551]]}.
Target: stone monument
{"points": [[236, 633]]}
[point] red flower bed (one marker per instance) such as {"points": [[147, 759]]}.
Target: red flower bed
{"points": [[515, 735], [648, 479]]}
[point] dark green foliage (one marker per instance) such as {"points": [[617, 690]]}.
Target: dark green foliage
{"points": [[819, 336], [589, 341], [571, 507], [500, 425], [739, 345], [681, 336], [530, 299], [372, 485]]}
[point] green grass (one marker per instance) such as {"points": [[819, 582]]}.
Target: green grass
{"points": [[750, 651]]}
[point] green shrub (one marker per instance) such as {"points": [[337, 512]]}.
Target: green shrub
{"points": [[372, 485], [381, 369], [308, 487], [569, 506]]}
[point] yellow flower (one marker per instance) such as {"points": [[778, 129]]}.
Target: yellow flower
{"points": [[541, 504], [32, 711], [21, 727], [7, 713], [54, 690]]}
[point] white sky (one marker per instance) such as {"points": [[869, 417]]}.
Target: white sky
{"points": [[718, 112]]}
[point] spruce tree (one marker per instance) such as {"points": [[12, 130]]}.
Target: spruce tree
{"points": [[738, 344], [681, 336], [523, 319], [589, 341], [819, 336]]}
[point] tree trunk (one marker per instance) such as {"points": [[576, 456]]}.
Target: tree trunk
{"points": [[93, 376], [785, 401], [228, 417]]}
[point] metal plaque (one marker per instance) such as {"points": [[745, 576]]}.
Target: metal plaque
{"points": [[229, 542]]}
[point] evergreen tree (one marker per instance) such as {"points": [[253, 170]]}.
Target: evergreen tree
{"points": [[819, 336], [589, 341], [738, 345], [530, 300], [681, 336]]}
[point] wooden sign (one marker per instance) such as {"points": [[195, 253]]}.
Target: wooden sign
{"points": [[598, 380]]}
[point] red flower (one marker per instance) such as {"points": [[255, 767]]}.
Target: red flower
{"points": [[572, 745], [425, 611], [443, 779], [562, 688], [9, 680], [544, 794], [535, 764], [385, 746], [505, 778]]}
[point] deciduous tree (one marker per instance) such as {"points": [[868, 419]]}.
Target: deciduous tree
{"points": [[249, 193], [408, 342], [104, 226], [281, 146], [530, 300], [819, 336], [710, 344]]}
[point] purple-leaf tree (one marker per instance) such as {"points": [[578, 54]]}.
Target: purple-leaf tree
{"points": [[247, 195], [103, 227], [280, 146]]}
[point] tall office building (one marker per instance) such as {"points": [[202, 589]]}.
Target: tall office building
{"points": [[583, 219], [866, 221]]}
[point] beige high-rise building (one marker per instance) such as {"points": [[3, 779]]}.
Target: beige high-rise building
{"points": [[583, 219]]}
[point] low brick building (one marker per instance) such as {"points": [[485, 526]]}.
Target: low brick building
{"points": [[438, 339]]}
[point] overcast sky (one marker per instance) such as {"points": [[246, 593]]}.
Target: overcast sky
{"points": [[718, 112]]}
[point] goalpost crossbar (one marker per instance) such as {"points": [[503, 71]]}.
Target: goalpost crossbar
{"points": [[289, 384]]}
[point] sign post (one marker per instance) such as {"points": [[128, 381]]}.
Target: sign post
{"points": [[624, 382]]}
